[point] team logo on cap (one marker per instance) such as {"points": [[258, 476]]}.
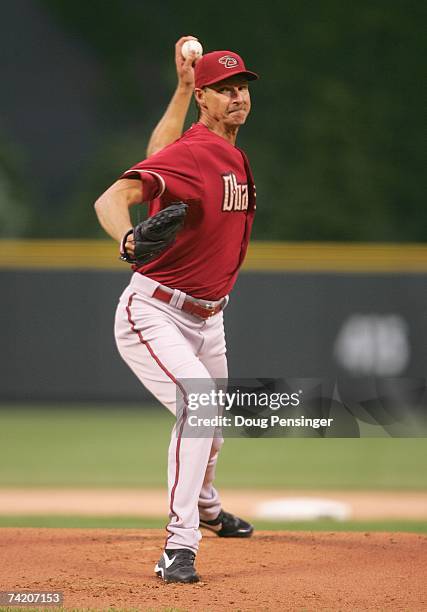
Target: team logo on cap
{"points": [[228, 61]]}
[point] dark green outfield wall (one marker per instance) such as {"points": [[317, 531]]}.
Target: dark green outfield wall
{"points": [[57, 341]]}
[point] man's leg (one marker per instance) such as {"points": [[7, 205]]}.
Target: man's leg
{"points": [[209, 499], [211, 513], [155, 348], [214, 358]]}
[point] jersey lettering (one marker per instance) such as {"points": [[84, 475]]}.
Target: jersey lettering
{"points": [[235, 194]]}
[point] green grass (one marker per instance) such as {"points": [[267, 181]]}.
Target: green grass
{"points": [[85, 446], [134, 522]]}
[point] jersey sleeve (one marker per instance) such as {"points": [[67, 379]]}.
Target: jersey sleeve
{"points": [[176, 171]]}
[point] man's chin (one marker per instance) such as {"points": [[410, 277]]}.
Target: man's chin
{"points": [[237, 118]]}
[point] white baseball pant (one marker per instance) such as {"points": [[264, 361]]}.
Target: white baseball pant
{"points": [[163, 344]]}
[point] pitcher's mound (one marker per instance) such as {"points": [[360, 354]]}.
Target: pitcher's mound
{"points": [[97, 569]]}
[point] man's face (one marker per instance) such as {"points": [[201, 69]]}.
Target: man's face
{"points": [[227, 102]]}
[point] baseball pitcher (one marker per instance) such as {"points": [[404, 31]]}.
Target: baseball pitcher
{"points": [[185, 259]]}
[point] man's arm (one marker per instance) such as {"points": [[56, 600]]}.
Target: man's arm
{"points": [[171, 125], [112, 209]]}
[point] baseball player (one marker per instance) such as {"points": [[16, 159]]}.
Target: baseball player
{"points": [[186, 257]]}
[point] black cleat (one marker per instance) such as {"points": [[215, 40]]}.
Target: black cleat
{"points": [[177, 565], [227, 525]]}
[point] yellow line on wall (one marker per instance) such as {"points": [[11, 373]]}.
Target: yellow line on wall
{"points": [[337, 257], [262, 256]]}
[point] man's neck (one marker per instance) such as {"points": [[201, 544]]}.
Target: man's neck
{"points": [[228, 133]]}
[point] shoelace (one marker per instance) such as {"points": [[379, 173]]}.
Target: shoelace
{"points": [[228, 520], [184, 558]]}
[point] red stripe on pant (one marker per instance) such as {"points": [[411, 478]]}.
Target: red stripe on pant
{"points": [[180, 387]]}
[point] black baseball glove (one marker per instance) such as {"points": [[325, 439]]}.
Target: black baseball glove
{"points": [[155, 234]]}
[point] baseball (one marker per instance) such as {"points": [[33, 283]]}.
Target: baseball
{"points": [[191, 45]]}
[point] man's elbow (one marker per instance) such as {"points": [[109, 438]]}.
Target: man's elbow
{"points": [[99, 207], [99, 204], [155, 147], [122, 194], [150, 151]]}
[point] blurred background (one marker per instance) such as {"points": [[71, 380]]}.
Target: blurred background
{"points": [[335, 280], [335, 138]]}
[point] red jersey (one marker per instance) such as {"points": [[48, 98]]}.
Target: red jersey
{"points": [[214, 178]]}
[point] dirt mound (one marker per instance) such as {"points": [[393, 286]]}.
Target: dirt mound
{"points": [[98, 569]]}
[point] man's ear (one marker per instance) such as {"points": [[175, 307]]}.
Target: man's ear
{"points": [[199, 96]]}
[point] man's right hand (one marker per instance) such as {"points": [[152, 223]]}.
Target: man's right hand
{"points": [[185, 67], [171, 125]]}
